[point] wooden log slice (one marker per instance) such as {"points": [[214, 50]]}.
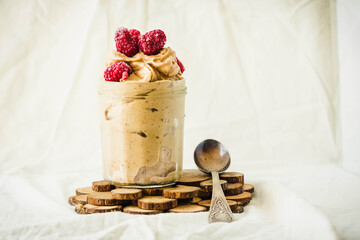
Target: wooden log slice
{"points": [[126, 193], [207, 185], [189, 200], [136, 210], [193, 177], [80, 199], [102, 186], [153, 191], [233, 177], [188, 208], [242, 198], [79, 209], [207, 203], [234, 189], [194, 173], [105, 199], [71, 200], [248, 188], [89, 208], [203, 194], [156, 203], [181, 192], [238, 209], [84, 191], [195, 200]]}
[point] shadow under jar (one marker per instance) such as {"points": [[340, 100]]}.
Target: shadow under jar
{"points": [[142, 128]]}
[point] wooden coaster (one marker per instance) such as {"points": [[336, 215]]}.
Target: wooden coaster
{"points": [[89, 208], [238, 209], [181, 192], [126, 193], [195, 200], [233, 177], [84, 191], [79, 209], [207, 185], [207, 203], [242, 198], [136, 210], [71, 200], [102, 186], [156, 203], [234, 189], [80, 199], [153, 191], [248, 188], [189, 200], [188, 208], [203, 194], [105, 199], [193, 177]]}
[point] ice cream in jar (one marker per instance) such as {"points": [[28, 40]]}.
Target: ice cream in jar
{"points": [[142, 98]]}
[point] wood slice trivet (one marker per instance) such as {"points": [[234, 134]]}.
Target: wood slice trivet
{"points": [[105, 199], [156, 203], [80, 199], [188, 208], [248, 188], [234, 189], [242, 198], [193, 177], [126, 193], [208, 184], [102, 186], [154, 191], [89, 208], [181, 192], [233, 177], [207, 203], [84, 191], [136, 210], [238, 209]]}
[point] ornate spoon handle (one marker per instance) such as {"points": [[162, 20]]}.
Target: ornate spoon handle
{"points": [[219, 208]]}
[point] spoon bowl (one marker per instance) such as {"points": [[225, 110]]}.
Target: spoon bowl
{"points": [[211, 156]]}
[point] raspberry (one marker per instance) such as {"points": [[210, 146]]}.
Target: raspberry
{"points": [[152, 42], [135, 35], [182, 68], [117, 72], [125, 42]]}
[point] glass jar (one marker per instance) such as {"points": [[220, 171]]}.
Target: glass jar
{"points": [[142, 127]]}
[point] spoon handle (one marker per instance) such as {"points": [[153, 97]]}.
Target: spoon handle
{"points": [[219, 208]]}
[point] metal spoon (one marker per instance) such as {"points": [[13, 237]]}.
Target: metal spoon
{"points": [[211, 156]]}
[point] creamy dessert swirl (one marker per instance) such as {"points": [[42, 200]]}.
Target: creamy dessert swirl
{"points": [[150, 68]]}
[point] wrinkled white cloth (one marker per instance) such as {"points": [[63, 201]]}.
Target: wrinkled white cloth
{"points": [[262, 78]]}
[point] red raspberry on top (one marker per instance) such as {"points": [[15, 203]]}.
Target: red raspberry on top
{"points": [[152, 42], [125, 42], [135, 35], [117, 72], [182, 68]]}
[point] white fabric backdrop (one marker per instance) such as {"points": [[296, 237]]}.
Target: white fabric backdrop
{"points": [[261, 77], [349, 56]]}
